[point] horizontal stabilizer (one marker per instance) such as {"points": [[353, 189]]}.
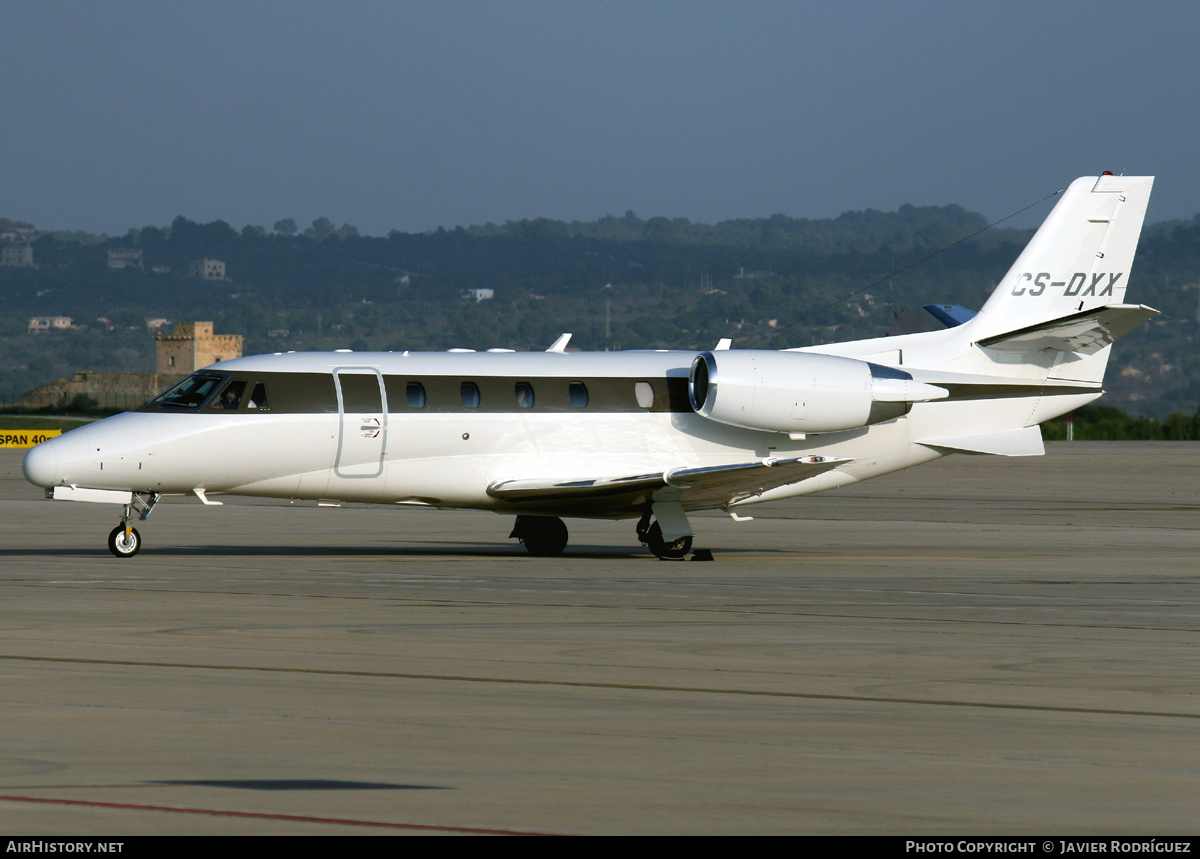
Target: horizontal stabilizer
{"points": [[1026, 441], [702, 487], [1086, 332]]}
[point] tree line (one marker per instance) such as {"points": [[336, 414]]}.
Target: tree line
{"points": [[1108, 423], [616, 282]]}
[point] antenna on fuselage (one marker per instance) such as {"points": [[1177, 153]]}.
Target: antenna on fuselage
{"points": [[560, 345]]}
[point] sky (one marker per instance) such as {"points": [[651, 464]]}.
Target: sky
{"points": [[412, 115]]}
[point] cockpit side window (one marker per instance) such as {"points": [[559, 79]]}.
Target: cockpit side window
{"points": [[191, 393], [231, 396], [258, 399]]}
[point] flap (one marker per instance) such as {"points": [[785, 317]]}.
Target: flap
{"points": [[696, 488]]}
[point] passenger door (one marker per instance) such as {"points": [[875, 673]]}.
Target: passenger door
{"points": [[362, 409]]}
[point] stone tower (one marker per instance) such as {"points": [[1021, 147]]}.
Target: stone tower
{"points": [[193, 345]]}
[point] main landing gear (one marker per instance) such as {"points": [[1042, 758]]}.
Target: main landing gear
{"points": [[651, 537], [546, 536], [543, 536], [124, 541]]}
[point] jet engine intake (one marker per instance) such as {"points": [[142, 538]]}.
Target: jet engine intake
{"points": [[800, 392]]}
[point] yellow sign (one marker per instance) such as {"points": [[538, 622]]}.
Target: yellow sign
{"points": [[25, 438]]}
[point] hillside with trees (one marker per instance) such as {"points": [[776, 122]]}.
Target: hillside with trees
{"points": [[617, 282]]}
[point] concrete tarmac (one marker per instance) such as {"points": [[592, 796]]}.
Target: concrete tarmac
{"points": [[978, 646]]}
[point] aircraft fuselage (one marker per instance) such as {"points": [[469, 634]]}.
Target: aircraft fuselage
{"points": [[433, 428]]}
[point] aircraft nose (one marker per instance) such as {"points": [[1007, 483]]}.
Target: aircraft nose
{"points": [[41, 465]]}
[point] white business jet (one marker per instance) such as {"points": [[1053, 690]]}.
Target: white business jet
{"points": [[646, 435]]}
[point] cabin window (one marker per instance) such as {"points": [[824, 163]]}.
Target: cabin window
{"points": [[416, 395], [524, 393], [191, 392], [231, 397], [579, 395], [470, 395], [644, 392], [258, 399]]}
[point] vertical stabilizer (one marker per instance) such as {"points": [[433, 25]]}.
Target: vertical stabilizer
{"points": [[1077, 261]]}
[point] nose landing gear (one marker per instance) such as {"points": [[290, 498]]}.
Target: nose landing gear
{"points": [[124, 541]]}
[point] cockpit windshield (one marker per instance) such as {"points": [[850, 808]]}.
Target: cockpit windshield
{"points": [[191, 393]]}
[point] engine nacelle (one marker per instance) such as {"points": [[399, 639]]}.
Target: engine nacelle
{"points": [[800, 392]]}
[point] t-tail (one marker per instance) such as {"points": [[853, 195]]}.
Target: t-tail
{"points": [[1063, 302], [1039, 347], [1057, 310]]}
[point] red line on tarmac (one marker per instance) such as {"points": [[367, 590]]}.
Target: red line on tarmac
{"points": [[294, 818]]}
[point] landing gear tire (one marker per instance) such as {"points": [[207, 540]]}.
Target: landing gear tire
{"points": [[672, 551], [122, 545], [543, 536]]}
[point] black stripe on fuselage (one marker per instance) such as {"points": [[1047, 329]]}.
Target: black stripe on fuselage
{"points": [[1000, 391], [315, 393]]}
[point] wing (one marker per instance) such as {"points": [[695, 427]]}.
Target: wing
{"points": [[695, 488]]}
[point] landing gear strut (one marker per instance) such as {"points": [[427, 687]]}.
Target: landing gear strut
{"points": [[124, 541], [651, 536], [544, 536]]}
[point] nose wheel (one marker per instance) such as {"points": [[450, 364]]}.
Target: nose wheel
{"points": [[124, 542]]}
